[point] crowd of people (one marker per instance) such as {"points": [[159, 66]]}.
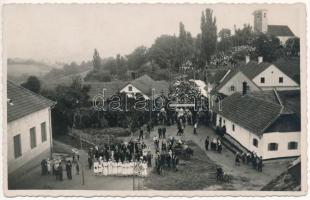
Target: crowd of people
{"points": [[126, 168], [56, 166], [120, 159], [214, 144], [250, 159]]}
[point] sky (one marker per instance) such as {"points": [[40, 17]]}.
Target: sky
{"points": [[66, 33]]}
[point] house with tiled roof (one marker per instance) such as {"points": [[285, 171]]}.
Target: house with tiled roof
{"points": [[29, 129], [282, 32], [142, 85], [258, 75], [266, 122]]}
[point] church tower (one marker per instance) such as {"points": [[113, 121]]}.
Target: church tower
{"points": [[260, 21]]}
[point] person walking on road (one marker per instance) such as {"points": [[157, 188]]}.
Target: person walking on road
{"points": [[207, 142]]}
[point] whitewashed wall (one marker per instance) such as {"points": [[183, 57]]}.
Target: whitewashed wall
{"points": [[271, 75], [133, 92], [282, 139], [22, 126], [242, 135], [237, 81]]}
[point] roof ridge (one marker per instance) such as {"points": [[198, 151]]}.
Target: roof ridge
{"points": [[255, 97], [31, 92]]}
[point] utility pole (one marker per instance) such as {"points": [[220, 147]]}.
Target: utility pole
{"points": [[134, 165], [81, 147]]}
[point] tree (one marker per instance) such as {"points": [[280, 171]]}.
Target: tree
{"points": [[33, 84], [184, 46], [96, 60], [208, 34], [164, 51], [267, 46], [292, 46], [224, 33], [137, 58]]}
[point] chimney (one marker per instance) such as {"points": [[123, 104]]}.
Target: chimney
{"points": [[247, 59], [260, 59]]}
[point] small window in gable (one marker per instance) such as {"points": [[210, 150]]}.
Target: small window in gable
{"points": [[130, 88], [233, 127], [262, 80], [232, 88], [280, 79]]}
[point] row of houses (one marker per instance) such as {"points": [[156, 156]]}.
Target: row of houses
{"points": [[259, 105]]}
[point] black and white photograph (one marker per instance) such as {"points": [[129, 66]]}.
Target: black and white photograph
{"points": [[166, 98]]}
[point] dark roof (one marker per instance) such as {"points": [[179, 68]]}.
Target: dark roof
{"points": [[253, 68], [145, 84], [112, 88], [290, 66], [251, 113], [280, 30], [264, 111], [22, 102], [215, 78], [291, 101], [285, 123]]}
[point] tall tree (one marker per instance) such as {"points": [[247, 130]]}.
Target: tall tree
{"points": [[208, 34], [184, 46], [33, 84], [96, 60]]}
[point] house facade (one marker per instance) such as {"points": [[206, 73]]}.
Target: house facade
{"points": [[262, 122], [29, 130], [255, 76]]}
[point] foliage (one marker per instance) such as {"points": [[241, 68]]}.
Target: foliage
{"points": [[185, 46], [96, 61], [164, 51], [33, 84], [267, 46], [208, 34], [137, 58], [103, 76], [292, 46]]}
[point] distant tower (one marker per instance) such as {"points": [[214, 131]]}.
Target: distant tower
{"points": [[260, 21]]}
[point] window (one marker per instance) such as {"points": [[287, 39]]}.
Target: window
{"points": [[224, 121], [130, 88], [272, 146], [292, 145], [255, 142], [262, 79], [43, 131], [232, 88], [233, 127], [17, 146], [280, 79], [264, 15], [33, 139]]}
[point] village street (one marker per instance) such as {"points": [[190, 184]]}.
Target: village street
{"points": [[244, 177]]}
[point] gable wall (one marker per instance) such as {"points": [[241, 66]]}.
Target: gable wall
{"points": [[271, 75], [237, 81]]}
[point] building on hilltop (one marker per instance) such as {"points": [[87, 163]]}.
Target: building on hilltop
{"points": [[283, 32], [29, 129]]}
